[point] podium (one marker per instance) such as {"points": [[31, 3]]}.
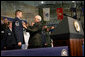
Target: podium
{"points": [[69, 33]]}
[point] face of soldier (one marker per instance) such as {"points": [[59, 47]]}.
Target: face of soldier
{"points": [[19, 14]]}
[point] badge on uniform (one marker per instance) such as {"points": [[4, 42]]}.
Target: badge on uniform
{"points": [[9, 34], [2, 31], [17, 23]]}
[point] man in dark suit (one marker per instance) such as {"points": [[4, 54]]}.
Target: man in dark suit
{"points": [[18, 28], [46, 36], [35, 40], [3, 27], [10, 41]]}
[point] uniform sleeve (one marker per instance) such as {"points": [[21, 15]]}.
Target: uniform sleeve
{"points": [[16, 30]]}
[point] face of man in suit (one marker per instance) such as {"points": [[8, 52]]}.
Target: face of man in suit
{"points": [[37, 18], [10, 25]]}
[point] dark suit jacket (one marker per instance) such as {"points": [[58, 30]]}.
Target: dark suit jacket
{"points": [[3, 27], [18, 30], [10, 40], [35, 40]]}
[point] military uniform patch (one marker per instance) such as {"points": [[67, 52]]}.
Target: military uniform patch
{"points": [[2, 31], [9, 34], [17, 23]]}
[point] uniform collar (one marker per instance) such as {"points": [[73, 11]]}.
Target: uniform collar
{"points": [[17, 18], [10, 29]]}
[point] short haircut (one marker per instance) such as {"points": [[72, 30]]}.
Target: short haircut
{"points": [[17, 11], [9, 22]]}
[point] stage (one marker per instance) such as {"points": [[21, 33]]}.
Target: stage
{"points": [[83, 49], [55, 51]]}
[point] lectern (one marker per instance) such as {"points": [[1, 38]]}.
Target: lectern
{"points": [[69, 33]]}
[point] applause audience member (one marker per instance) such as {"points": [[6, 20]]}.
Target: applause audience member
{"points": [[46, 39], [10, 41]]}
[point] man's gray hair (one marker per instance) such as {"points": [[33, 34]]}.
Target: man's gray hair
{"points": [[39, 17]]}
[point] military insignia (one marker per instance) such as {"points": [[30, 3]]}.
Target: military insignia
{"points": [[9, 34], [17, 23], [2, 31], [77, 26], [64, 52]]}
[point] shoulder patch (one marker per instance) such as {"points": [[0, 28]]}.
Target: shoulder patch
{"points": [[17, 23]]}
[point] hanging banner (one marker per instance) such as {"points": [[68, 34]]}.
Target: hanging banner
{"points": [[46, 14], [59, 13]]}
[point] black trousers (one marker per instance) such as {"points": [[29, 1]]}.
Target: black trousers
{"points": [[13, 47]]}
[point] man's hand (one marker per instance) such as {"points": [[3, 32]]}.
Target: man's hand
{"points": [[48, 29], [52, 27], [19, 43], [44, 27], [24, 26], [46, 44], [32, 23]]}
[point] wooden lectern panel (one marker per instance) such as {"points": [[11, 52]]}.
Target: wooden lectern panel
{"points": [[75, 47]]}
